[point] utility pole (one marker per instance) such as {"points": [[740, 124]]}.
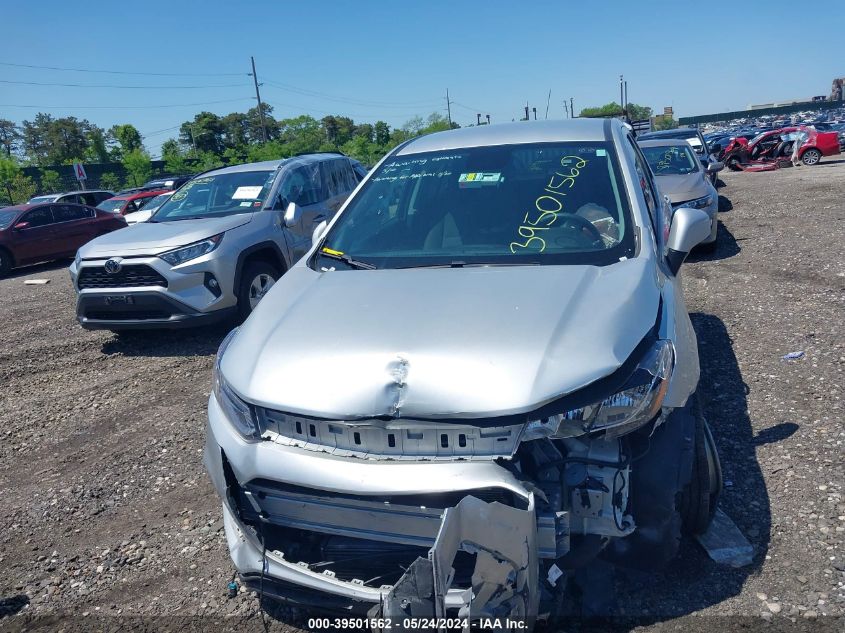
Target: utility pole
{"points": [[258, 98], [626, 95], [488, 119], [478, 118], [535, 113], [527, 118], [548, 101], [571, 108], [621, 95], [566, 108], [448, 108]]}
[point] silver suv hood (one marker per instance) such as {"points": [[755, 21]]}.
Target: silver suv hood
{"points": [[682, 187], [152, 238], [439, 343]]}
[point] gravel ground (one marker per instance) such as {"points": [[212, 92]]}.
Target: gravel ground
{"points": [[107, 510]]}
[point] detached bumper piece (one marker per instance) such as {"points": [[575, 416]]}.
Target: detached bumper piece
{"points": [[504, 578]]}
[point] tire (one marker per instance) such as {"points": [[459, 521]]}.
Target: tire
{"points": [[698, 500], [811, 157], [5, 262], [257, 278], [734, 164]]}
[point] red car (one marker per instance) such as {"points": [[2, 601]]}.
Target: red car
{"points": [[124, 203], [768, 146], [32, 233]]}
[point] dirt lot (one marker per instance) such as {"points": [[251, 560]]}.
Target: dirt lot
{"points": [[106, 509]]}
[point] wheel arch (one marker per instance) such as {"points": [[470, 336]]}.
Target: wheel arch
{"points": [[263, 251]]}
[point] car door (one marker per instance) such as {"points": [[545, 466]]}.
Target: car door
{"points": [[34, 240], [73, 227], [302, 185]]}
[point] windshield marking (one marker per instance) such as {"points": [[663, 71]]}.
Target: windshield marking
{"points": [[553, 189]]}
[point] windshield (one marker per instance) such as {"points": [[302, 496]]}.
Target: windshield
{"points": [[216, 196], [155, 203], [557, 203], [40, 199], [671, 160], [6, 218], [112, 204]]}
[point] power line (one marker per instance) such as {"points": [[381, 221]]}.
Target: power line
{"points": [[327, 97], [156, 87], [121, 72], [122, 107]]}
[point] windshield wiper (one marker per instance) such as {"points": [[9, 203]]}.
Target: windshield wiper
{"points": [[346, 259]]}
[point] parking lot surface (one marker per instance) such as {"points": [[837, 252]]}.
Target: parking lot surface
{"points": [[107, 510]]}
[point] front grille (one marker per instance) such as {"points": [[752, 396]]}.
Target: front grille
{"points": [[394, 440], [129, 276]]}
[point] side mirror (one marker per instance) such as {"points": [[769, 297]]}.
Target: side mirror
{"points": [[689, 228], [21, 226], [715, 149], [318, 231], [292, 214], [714, 166]]}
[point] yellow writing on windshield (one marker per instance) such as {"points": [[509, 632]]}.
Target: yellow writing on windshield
{"points": [[548, 204]]}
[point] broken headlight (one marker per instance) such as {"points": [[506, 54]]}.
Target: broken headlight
{"points": [[631, 407], [239, 414]]}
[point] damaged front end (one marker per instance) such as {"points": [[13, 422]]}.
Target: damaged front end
{"points": [[471, 519]]}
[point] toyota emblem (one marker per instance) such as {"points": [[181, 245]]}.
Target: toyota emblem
{"points": [[113, 266]]}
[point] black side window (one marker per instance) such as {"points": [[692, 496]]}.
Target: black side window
{"points": [[70, 212], [303, 185], [38, 217]]}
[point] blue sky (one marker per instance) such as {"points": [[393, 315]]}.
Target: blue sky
{"points": [[392, 60]]}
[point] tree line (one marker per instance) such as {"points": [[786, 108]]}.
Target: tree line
{"points": [[205, 142]]}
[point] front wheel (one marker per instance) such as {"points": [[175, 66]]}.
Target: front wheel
{"points": [[256, 281], [811, 157], [699, 498]]}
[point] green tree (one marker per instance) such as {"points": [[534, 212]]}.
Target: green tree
{"points": [[382, 133], [638, 112], [204, 133], [109, 181], [128, 138], [97, 151], [635, 112], [9, 170], [22, 189], [608, 109], [49, 141], [51, 181], [663, 122], [10, 137], [138, 167]]}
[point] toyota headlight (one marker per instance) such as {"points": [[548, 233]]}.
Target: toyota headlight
{"points": [[191, 251], [239, 414], [698, 203], [633, 406]]}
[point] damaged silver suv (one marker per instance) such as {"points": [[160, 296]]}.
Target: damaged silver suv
{"points": [[480, 378]]}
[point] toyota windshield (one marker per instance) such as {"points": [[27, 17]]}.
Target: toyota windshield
{"points": [[561, 203], [216, 196]]}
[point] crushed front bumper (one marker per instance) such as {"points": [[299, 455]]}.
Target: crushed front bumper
{"points": [[499, 542]]}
